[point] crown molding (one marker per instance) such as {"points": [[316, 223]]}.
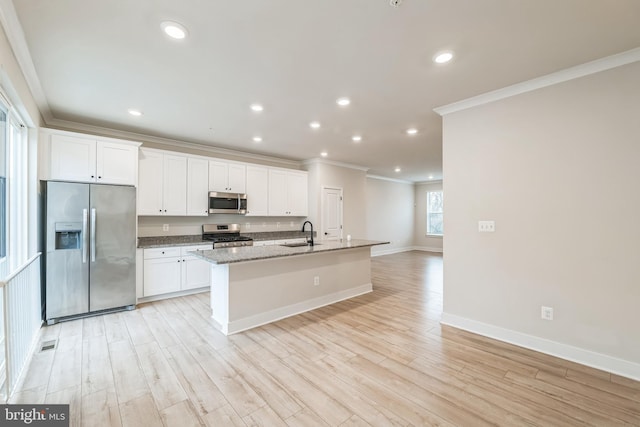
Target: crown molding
{"points": [[384, 178], [166, 142], [572, 73], [15, 36], [334, 163], [432, 181]]}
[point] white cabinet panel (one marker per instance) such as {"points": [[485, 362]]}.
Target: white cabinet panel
{"points": [[173, 269], [85, 158], [150, 181], [197, 187], [237, 178], [116, 163], [288, 193], [162, 183], [227, 177], [218, 176], [277, 192], [72, 158], [196, 272], [257, 191], [174, 190], [161, 275], [297, 194]]}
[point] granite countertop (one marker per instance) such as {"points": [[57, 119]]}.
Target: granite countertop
{"points": [[162, 241], [187, 240], [255, 253]]}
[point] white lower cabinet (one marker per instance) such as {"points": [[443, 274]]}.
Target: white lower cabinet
{"points": [[173, 269]]}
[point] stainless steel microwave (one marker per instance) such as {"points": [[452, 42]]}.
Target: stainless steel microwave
{"points": [[231, 203]]}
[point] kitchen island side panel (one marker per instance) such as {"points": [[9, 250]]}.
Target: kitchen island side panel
{"points": [[264, 291]]}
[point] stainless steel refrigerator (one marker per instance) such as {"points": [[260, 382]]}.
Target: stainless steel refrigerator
{"points": [[90, 249]]}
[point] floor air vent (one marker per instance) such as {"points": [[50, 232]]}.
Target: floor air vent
{"points": [[48, 345]]}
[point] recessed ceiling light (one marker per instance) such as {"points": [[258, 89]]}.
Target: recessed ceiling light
{"points": [[324, 154], [315, 125], [430, 176], [257, 139], [257, 107], [356, 138], [174, 30], [397, 169], [443, 57], [412, 131], [343, 102], [135, 112]]}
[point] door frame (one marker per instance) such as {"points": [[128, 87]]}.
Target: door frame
{"points": [[322, 203]]}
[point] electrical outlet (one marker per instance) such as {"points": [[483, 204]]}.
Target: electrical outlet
{"points": [[316, 280], [546, 313], [486, 226], [165, 227]]}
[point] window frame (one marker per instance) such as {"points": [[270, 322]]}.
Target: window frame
{"points": [[428, 232]]}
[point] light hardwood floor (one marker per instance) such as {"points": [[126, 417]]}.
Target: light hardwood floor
{"points": [[379, 359]]}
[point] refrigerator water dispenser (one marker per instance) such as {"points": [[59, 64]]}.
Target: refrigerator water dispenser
{"points": [[68, 235]]}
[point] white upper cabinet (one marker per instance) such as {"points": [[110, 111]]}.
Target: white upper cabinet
{"points": [[116, 163], [150, 182], [86, 158], [257, 191], [288, 193], [171, 183], [197, 187], [297, 193], [174, 189], [229, 177], [162, 188]]}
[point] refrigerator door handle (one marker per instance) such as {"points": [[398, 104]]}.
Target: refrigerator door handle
{"points": [[93, 234], [84, 235]]}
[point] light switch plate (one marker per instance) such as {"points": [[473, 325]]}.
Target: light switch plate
{"points": [[486, 226]]}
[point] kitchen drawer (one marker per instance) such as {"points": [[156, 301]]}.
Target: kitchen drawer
{"points": [[264, 242], [167, 252], [185, 249], [290, 241]]}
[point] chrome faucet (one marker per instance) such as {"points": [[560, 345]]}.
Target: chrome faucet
{"points": [[309, 242]]}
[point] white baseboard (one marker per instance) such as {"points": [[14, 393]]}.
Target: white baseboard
{"points": [[293, 309], [427, 249], [600, 361], [172, 295], [379, 252]]}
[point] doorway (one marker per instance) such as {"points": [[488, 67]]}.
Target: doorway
{"points": [[331, 213]]}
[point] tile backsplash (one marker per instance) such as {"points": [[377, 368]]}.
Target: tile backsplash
{"points": [[177, 226]]}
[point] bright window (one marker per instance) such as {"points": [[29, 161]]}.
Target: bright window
{"points": [[434, 213], [13, 190], [3, 183]]}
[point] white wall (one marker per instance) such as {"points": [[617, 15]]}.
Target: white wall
{"points": [[390, 215], [16, 89], [421, 240], [353, 184], [558, 170]]}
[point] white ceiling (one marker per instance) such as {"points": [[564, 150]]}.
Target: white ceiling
{"points": [[95, 59]]}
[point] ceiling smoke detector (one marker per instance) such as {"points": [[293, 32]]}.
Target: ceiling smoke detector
{"points": [[395, 3]]}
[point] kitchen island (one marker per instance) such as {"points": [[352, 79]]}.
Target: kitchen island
{"points": [[251, 286]]}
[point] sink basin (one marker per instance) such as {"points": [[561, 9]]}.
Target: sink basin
{"points": [[298, 245]]}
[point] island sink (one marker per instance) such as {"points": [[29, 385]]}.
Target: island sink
{"points": [[299, 244]]}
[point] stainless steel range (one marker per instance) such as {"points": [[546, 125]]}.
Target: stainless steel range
{"points": [[225, 235]]}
